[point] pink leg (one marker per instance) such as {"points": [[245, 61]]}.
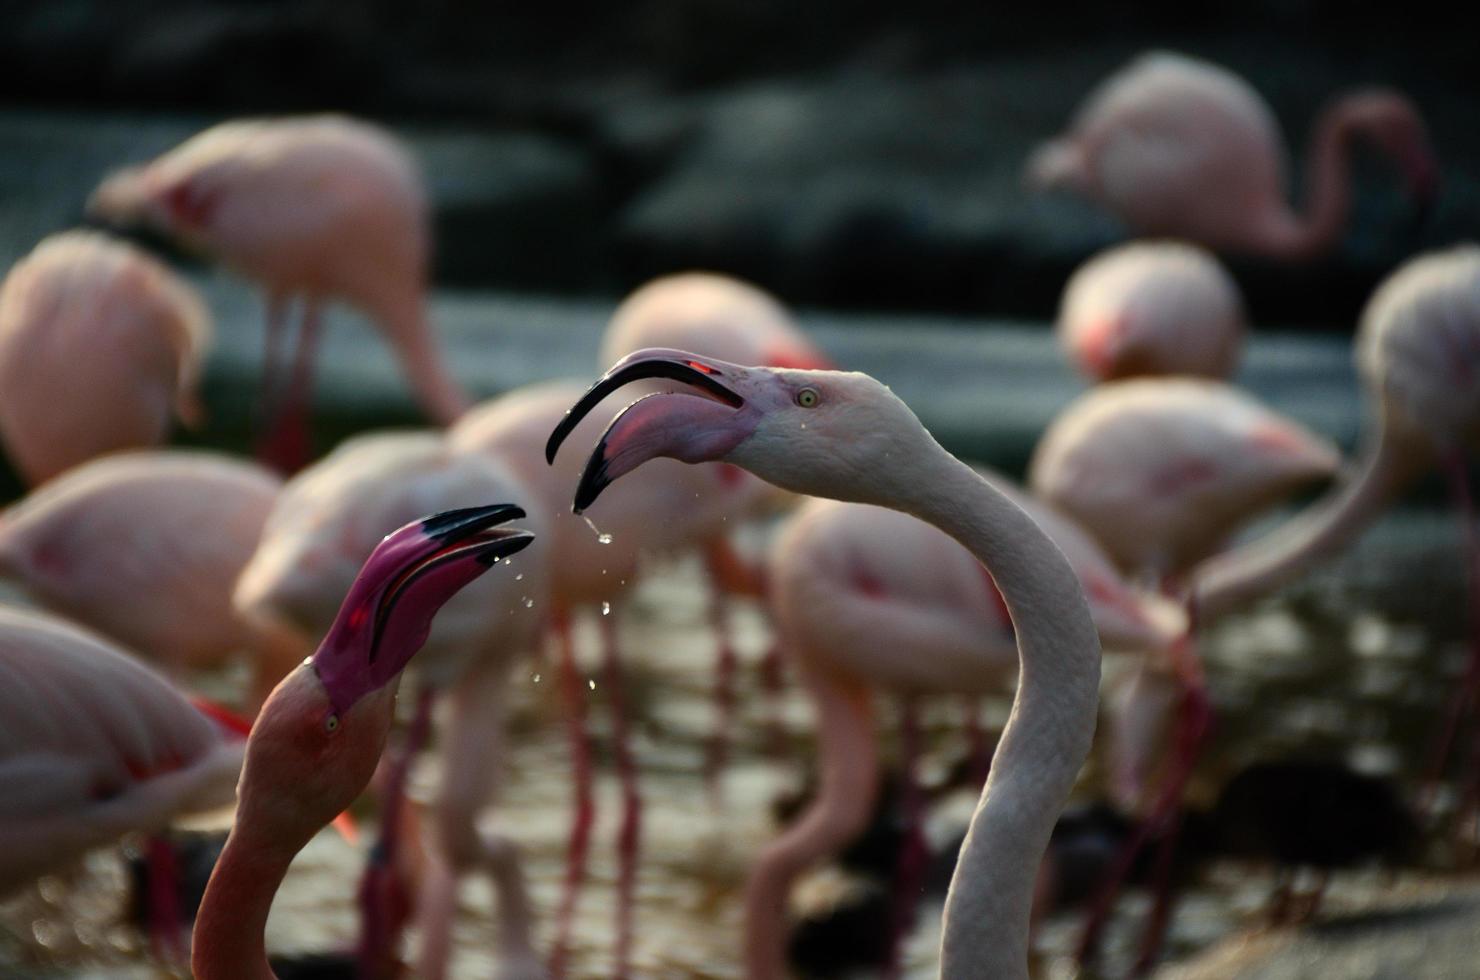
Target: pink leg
{"points": [[629, 837], [165, 934], [717, 751], [272, 360], [773, 688], [286, 446], [1194, 720], [385, 905], [1462, 700], [573, 694], [909, 872]]}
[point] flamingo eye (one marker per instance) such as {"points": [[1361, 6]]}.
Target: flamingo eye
{"points": [[808, 398], [331, 724]]}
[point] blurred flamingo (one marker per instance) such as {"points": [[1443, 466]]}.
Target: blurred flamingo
{"points": [[146, 547], [867, 598], [318, 207], [1162, 471], [846, 436], [594, 561], [118, 332], [1418, 352], [716, 316], [1182, 148], [320, 734], [324, 526], [95, 745], [1152, 308]]}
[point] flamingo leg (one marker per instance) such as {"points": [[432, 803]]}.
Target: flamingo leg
{"points": [[272, 358], [773, 686], [384, 902], [1462, 701], [573, 694], [165, 934], [474, 759], [909, 872], [629, 835], [717, 750], [286, 445]]}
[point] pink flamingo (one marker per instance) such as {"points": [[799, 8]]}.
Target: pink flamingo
{"points": [[866, 598], [668, 511], [320, 734], [1182, 148], [118, 331], [94, 745], [716, 316], [176, 528], [1152, 308], [322, 207], [848, 437], [325, 524], [1418, 352], [1163, 471]]}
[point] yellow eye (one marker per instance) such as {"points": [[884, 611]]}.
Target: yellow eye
{"points": [[808, 398], [331, 724]]}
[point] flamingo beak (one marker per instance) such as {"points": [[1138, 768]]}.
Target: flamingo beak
{"points": [[388, 612], [674, 365]]}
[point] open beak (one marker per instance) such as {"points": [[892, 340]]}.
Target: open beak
{"points": [[654, 362]]}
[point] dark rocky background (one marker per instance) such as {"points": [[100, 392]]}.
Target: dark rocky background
{"points": [[851, 155]]}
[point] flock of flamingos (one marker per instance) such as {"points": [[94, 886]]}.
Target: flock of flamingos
{"points": [[900, 569]]}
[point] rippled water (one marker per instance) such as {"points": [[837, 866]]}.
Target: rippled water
{"points": [[1352, 663]]}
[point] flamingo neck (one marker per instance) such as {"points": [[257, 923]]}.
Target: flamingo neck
{"points": [[849, 782], [1236, 577], [1327, 190], [440, 394], [1048, 733], [230, 929]]}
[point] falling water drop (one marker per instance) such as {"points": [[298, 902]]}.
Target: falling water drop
{"points": [[591, 684], [528, 603], [536, 678], [606, 609], [519, 577], [601, 535]]}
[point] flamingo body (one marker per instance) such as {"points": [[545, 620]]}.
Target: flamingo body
{"points": [[145, 547], [1182, 148], [118, 334], [1152, 308], [93, 745]]}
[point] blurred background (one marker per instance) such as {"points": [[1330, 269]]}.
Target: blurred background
{"points": [[863, 161]]}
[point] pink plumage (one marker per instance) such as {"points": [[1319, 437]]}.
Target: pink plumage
{"points": [[1182, 148], [120, 334]]}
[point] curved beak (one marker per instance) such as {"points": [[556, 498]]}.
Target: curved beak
{"points": [[675, 365], [388, 612]]}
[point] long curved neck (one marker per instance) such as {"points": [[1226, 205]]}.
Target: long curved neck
{"points": [[1236, 577], [1048, 734], [1327, 191], [229, 942], [849, 770], [422, 362]]}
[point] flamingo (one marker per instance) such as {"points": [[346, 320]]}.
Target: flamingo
{"points": [[325, 524], [1418, 353], [717, 316], [320, 734], [846, 436], [319, 207], [1152, 308], [670, 509], [94, 745], [865, 598], [119, 332], [1178, 147], [177, 528]]}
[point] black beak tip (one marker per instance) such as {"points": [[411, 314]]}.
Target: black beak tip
{"points": [[515, 541], [593, 481], [468, 520]]}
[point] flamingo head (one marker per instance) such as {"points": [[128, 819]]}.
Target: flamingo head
{"points": [[1395, 127], [812, 432], [323, 727]]}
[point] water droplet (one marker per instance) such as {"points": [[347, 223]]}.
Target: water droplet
{"points": [[604, 538], [519, 577], [536, 678], [606, 609], [591, 684], [601, 535], [528, 603]]}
